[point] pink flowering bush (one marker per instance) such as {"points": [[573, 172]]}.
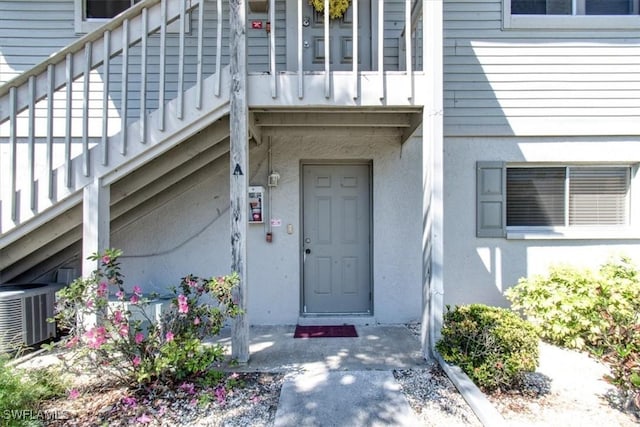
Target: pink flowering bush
{"points": [[145, 350]]}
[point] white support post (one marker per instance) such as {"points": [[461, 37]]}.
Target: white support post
{"points": [[300, 56], [239, 151], [327, 52], [95, 228], [432, 176], [381, 48]]}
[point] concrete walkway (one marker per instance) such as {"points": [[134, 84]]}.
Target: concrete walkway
{"points": [[337, 381]]}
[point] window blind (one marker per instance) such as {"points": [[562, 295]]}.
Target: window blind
{"points": [[598, 196], [535, 196]]}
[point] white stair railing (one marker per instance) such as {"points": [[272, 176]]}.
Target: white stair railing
{"points": [[68, 117]]}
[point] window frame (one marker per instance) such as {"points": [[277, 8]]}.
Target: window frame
{"points": [[495, 199], [568, 22], [83, 25]]}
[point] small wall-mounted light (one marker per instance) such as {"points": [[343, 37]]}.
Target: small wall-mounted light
{"points": [[272, 181]]}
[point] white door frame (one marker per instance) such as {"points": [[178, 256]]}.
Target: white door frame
{"points": [[338, 162]]}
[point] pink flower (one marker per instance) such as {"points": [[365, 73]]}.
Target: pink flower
{"points": [[183, 306], [144, 419], [96, 337], [135, 299], [120, 295], [89, 304], [136, 361], [124, 330], [117, 316], [192, 283], [139, 337], [106, 259], [188, 388], [72, 342], [196, 321], [102, 289], [74, 394], [129, 401], [221, 395], [137, 290], [168, 336]]}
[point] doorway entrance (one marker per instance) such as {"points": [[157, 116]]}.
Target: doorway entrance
{"points": [[341, 39], [336, 238]]}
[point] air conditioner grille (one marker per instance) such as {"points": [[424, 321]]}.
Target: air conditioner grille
{"points": [[23, 316], [10, 324], [36, 318]]}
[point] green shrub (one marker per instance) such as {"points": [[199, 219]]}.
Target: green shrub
{"points": [[22, 392], [169, 348], [562, 305], [492, 345], [596, 311]]}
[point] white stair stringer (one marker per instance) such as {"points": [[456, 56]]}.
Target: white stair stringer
{"points": [[136, 154]]}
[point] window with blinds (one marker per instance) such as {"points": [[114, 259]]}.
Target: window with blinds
{"points": [[598, 196], [567, 196], [574, 7], [535, 196], [102, 9]]}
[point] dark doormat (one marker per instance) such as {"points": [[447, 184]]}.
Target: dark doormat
{"points": [[338, 331]]}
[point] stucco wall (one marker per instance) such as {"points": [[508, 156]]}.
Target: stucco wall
{"points": [[480, 269], [191, 233]]}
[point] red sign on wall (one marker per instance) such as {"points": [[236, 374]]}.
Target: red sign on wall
{"points": [[256, 25]]}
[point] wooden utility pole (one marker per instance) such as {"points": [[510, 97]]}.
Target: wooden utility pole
{"points": [[239, 150]]}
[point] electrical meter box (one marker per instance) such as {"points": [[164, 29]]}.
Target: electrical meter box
{"points": [[256, 204]]}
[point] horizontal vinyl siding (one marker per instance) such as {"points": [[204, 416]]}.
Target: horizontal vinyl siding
{"points": [[258, 40], [536, 82], [30, 31], [393, 26]]}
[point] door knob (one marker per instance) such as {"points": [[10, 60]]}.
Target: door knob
{"points": [[307, 251]]}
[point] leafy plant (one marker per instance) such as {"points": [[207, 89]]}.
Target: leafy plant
{"points": [[22, 392], [492, 345], [145, 349], [337, 8], [561, 304], [595, 311]]}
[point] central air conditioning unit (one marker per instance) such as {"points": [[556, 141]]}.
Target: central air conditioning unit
{"points": [[24, 310], [147, 313]]}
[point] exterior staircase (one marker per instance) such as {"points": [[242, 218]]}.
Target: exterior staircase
{"points": [[120, 109], [113, 107]]}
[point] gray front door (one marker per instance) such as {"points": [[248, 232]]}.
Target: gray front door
{"points": [[341, 39], [336, 238]]}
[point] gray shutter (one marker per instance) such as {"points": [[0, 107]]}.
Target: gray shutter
{"points": [[490, 199]]}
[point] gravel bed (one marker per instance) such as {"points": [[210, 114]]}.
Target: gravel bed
{"points": [[252, 402], [567, 390], [433, 397]]}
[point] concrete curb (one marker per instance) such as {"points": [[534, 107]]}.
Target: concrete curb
{"points": [[480, 405]]}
